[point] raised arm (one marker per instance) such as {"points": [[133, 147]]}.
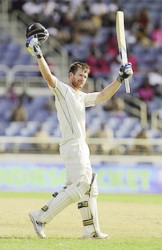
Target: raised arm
{"points": [[125, 72], [46, 72], [35, 50]]}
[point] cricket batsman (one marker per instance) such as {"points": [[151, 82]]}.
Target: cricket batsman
{"points": [[81, 183]]}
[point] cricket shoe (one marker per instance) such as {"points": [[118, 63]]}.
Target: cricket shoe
{"points": [[100, 235], [96, 236], [90, 233], [38, 226]]}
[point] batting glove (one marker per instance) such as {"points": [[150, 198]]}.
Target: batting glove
{"points": [[33, 47], [125, 72]]}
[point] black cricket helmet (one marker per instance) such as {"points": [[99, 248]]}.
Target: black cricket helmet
{"points": [[39, 31]]}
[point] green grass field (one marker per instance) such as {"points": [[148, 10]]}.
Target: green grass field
{"points": [[133, 221]]}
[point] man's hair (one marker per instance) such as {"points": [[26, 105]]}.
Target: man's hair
{"points": [[76, 65]]}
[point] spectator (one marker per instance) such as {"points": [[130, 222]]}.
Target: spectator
{"points": [[146, 92], [18, 113], [116, 104], [142, 37], [98, 64], [156, 35], [142, 19], [155, 80], [48, 7], [103, 132], [134, 60], [33, 8], [112, 48], [42, 135], [99, 7], [142, 148], [11, 94], [24, 98], [143, 27]]}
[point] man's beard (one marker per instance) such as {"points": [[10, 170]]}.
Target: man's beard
{"points": [[75, 84]]}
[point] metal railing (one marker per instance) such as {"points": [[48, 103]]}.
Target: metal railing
{"points": [[15, 144], [138, 108], [27, 83], [22, 82], [156, 123]]}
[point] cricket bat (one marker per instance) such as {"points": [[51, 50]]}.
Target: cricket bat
{"points": [[120, 32]]}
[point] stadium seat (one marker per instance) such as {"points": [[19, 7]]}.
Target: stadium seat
{"points": [[30, 129], [14, 129]]}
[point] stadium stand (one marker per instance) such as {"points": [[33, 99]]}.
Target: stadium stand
{"points": [[86, 36]]}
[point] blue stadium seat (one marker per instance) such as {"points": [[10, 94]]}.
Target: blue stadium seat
{"points": [[30, 129], [3, 126], [14, 129]]}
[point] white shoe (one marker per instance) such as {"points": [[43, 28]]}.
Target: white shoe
{"points": [[38, 226], [96, 236], [100, 235], [90, 233]]}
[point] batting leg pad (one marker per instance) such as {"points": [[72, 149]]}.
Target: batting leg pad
{"points": [[85, 211], [61, 200], [88, 206]]}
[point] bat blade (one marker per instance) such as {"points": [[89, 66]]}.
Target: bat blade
{"points": [[120, 32]]}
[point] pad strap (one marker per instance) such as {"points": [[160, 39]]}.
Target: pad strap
{"points": [[87, 222]]}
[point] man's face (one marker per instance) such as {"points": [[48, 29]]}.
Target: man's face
{"points": [[78, 79]]}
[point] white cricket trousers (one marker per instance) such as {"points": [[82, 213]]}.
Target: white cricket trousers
{"points": [[76, 157], [75, 154]]}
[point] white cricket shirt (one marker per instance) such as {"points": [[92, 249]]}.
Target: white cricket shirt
{"points": [[70, 105]]}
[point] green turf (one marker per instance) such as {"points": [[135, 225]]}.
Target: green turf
{"points": [[142, 198], [78, 244], [134, 222]]}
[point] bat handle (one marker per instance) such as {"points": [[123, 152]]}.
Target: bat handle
{"points": [[127, 87]]}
